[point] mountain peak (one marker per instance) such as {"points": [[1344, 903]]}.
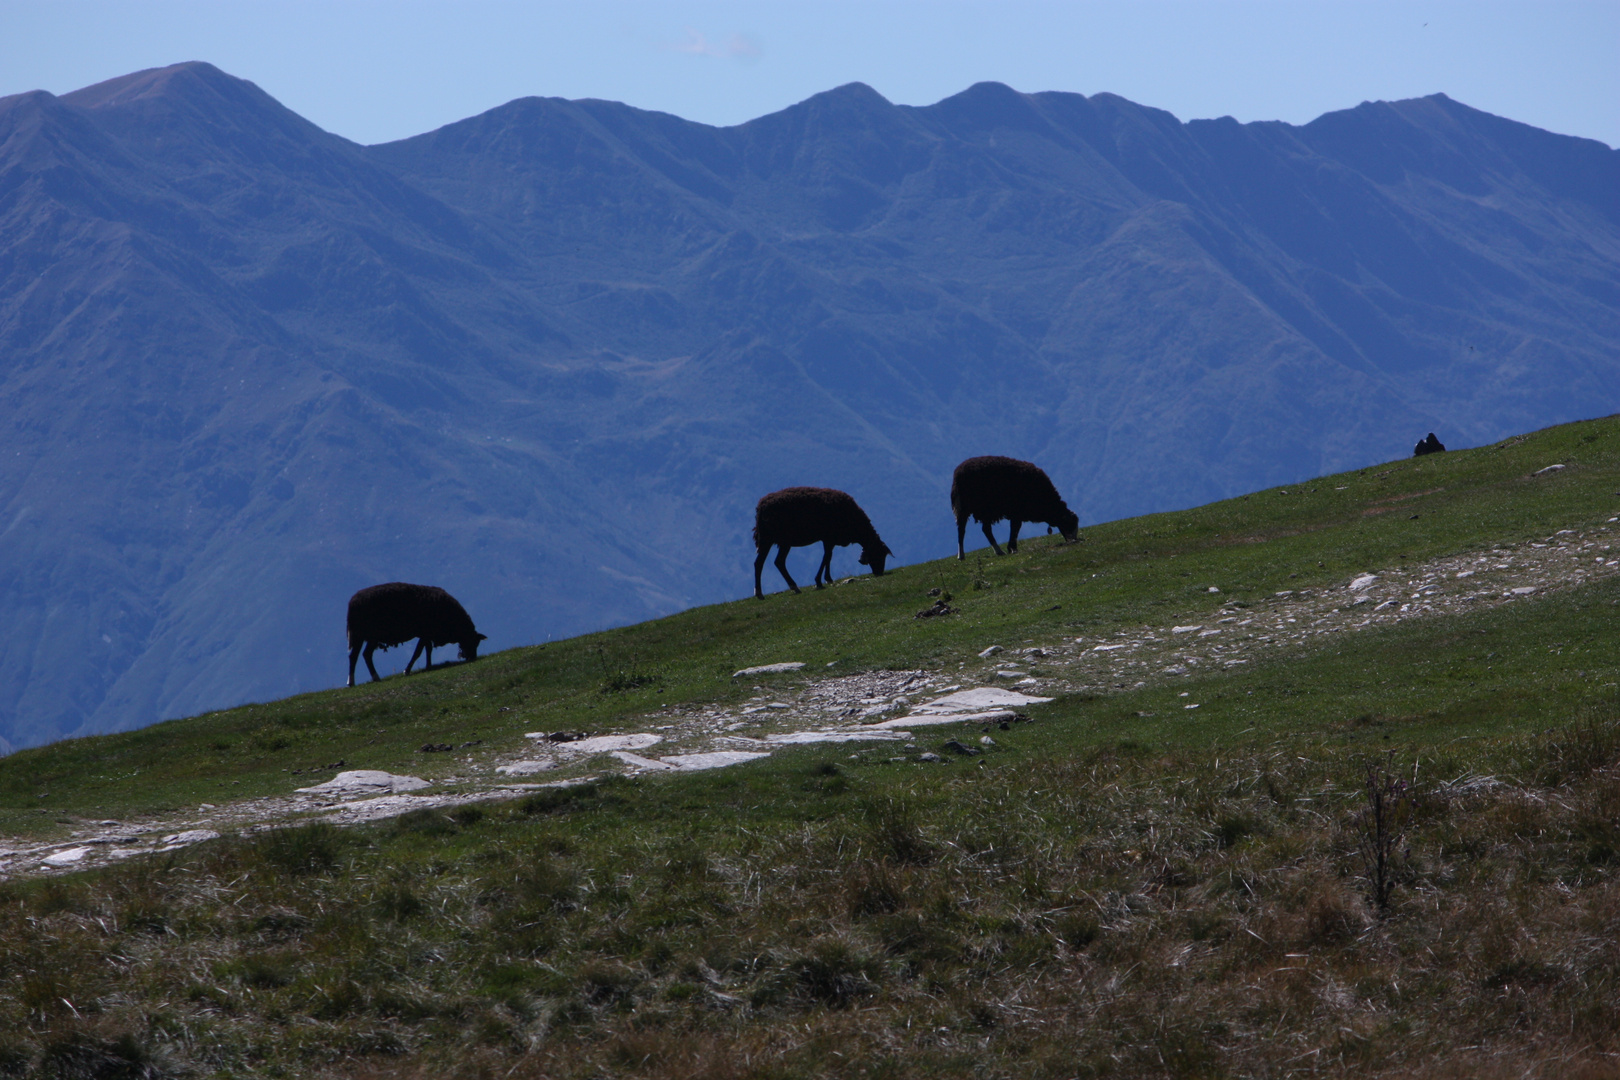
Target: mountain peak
{"points": [[182, 79]]}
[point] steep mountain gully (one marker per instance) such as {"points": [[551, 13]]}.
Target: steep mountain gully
{"points": [[881, 710]]}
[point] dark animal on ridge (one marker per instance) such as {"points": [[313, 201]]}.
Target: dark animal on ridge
{"points": [[383, 616], [1431, 445], [994, 488], [797, 516]]}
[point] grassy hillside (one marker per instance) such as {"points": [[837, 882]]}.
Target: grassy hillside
{"points": [[1122, 887]]}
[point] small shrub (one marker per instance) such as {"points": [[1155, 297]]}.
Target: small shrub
{"points": [[1231, 828], [605, 983], [467, 816], [259, 971], [425, 822], [834, 974], [80, 1055], [306, 849], [1380, 827], [398, 902], [897, 838], [872, 890], [1076, 929], [1332, 917]]}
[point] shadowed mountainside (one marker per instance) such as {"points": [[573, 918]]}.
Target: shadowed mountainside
{"points": [[549, 356]]}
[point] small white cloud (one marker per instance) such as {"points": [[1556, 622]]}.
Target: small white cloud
{"points": [[737, 46]]}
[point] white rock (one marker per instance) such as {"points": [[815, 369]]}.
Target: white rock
{"points": [[901, 724], [717, 760], [1106, 648], [1363, 582], [640, 762], [1175, 669], [1184, 629], [65, 857], [526, 768], [1465, 573], [795, 738], [979, 698], [769, 669], [1548, 469], [366, 782], [991, 651], [1524, 590], [604, 743], [1213, 589], [190, 836]]}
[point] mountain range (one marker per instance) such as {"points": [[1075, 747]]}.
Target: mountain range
{"points": [[548, 357]]}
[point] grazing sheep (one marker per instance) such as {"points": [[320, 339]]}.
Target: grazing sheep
{"points": [[994, 488], [387, 615], [1431, 445], [797, 516]]}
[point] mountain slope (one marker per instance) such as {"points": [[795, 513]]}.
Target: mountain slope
{"points": [[549, 356]]}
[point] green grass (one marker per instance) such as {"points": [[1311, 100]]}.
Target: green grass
{"points": [[1101, 892], [1153, 570]]}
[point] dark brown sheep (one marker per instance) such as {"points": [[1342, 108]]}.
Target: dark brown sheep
{"points": [[1431, 445], [387, 615], [993, 489], [797, 516]]}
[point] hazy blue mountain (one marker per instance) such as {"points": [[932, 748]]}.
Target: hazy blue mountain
{"points": [[548, 357]]}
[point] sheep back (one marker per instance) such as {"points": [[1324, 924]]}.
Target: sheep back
{"points": [[392, 614], [995, 488]]}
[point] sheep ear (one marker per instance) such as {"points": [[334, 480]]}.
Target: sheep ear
{"points": [[483, 637]]}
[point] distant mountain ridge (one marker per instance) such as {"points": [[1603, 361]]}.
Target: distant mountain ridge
{"points": [[547, 357]]}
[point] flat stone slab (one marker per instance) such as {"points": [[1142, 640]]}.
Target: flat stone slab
{"points": [[795, 738], [901, 723], [366, 782], [190, 836], [977, 700], [65, 857], [636, 761], [719, 759], [526, 768], [769, 669], [601, 744]]}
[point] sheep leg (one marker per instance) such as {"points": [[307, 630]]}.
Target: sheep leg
{"points": [[1012, 537], [961, 531], [415, 654], [371, 647], [759, 564], [988, 536], [825, 569], [427, 661], [781, 565]]}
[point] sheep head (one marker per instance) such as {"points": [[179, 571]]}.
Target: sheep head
{"points": [[876, 556], [469, 648], [1068, 524]]}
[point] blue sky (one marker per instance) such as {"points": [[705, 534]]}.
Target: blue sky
{"points": [[375, 71]]}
